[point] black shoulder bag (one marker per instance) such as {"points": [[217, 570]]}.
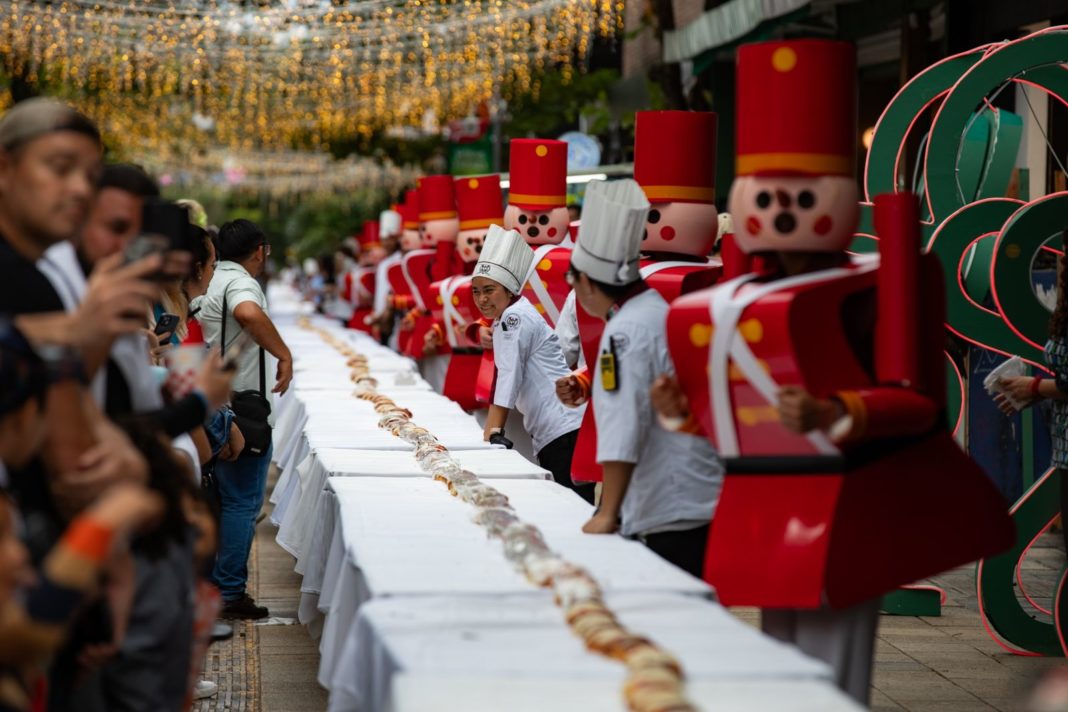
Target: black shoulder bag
{"points": [[251, 408]]}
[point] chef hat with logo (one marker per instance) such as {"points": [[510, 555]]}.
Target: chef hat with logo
{"points": [[389, 223], [610, 237], [505, 258]]}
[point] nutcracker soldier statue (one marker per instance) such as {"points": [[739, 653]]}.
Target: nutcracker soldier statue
{"points": [[537, 210], [480, 204], [390, 224], [403, 300], [681, 230], [439, 227], [362, 287], [819, 379]]}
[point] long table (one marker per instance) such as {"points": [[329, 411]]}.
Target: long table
{"points": [[418, 610]]}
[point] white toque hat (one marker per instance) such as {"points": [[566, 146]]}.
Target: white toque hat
{"points": [[505, 258], [610, 237], [389, 223]]}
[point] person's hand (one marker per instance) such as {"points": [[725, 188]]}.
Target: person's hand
{"points": [[570, 392], [601, 523], [112, 460], [485, 338], [668, 399], [283, 376], [121, 582], [158, 346], [1019, 389], [116, 300], [235, 444], [127, 507], [214, 380], [431, 342], [800, 412], [1006, 406]]}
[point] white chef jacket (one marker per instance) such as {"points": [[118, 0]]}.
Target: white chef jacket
{"points": [[567, 329], [382, 286], [526, 352], [677, 477]]}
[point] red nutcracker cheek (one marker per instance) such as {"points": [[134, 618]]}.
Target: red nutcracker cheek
{"points": [[823, 225], [667, 233], [552, 232], [752, 225]]}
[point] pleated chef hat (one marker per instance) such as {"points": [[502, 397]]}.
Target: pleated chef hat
{"points": [[505, 258], [389, 223], [610, 237]]}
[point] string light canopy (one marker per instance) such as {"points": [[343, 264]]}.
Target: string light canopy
{"points": [[272, 173], [252, 74]]}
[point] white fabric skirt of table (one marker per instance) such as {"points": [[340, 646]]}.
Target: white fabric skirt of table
{"points": [[297, 505], [340, 408], [377, 537], [474, 693], [505, 640]]}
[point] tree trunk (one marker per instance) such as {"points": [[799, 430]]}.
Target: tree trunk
{"points": [[669, 76]]}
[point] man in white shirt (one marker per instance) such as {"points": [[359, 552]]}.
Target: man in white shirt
{"points": [[243, 251], [659, 486]]}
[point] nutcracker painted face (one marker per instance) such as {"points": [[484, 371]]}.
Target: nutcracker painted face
{"points": [[684, 228], [411, 239], [371, 257], [444, 230], [675, 164], [469, 244], [794, 214], [538, 227]]}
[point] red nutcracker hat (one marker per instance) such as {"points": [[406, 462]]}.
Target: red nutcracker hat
{"points": [[369, 237], [796, 108], [675, 156], [537, 174], [479, 201], [409, 210], [437, 201]]}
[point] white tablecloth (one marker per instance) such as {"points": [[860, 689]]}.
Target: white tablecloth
{"points": [[416, 692], [406, 537], [504, 640], [298, 503]]}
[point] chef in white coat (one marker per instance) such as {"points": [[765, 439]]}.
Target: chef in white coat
{"points": [[660, 487], [527, 356]]}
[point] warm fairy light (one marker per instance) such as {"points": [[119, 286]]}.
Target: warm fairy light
{"points": [[285, 74], [275, 173]]}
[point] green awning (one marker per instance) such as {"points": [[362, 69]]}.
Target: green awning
{"points": [[722, 25]]}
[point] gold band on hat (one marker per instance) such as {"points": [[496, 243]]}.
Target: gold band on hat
{"points": [[552, 201], [669, 193], [440, 215], [476, 224], [816, 163]]}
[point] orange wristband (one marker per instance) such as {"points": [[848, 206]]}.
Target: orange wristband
{"points": [[89, 539]]}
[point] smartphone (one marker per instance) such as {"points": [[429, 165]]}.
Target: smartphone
{"points": [[168, 220], [165, 230], [166, 324], [143, 246]]}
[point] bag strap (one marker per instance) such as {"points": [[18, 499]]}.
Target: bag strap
{"points": [[222, 340]]}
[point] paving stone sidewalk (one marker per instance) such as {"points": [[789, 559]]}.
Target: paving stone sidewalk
{"points": [[950, 663], [267, 668]]}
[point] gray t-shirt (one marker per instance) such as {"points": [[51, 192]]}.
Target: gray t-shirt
{"points": [[239, 287], [677, 477]]}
